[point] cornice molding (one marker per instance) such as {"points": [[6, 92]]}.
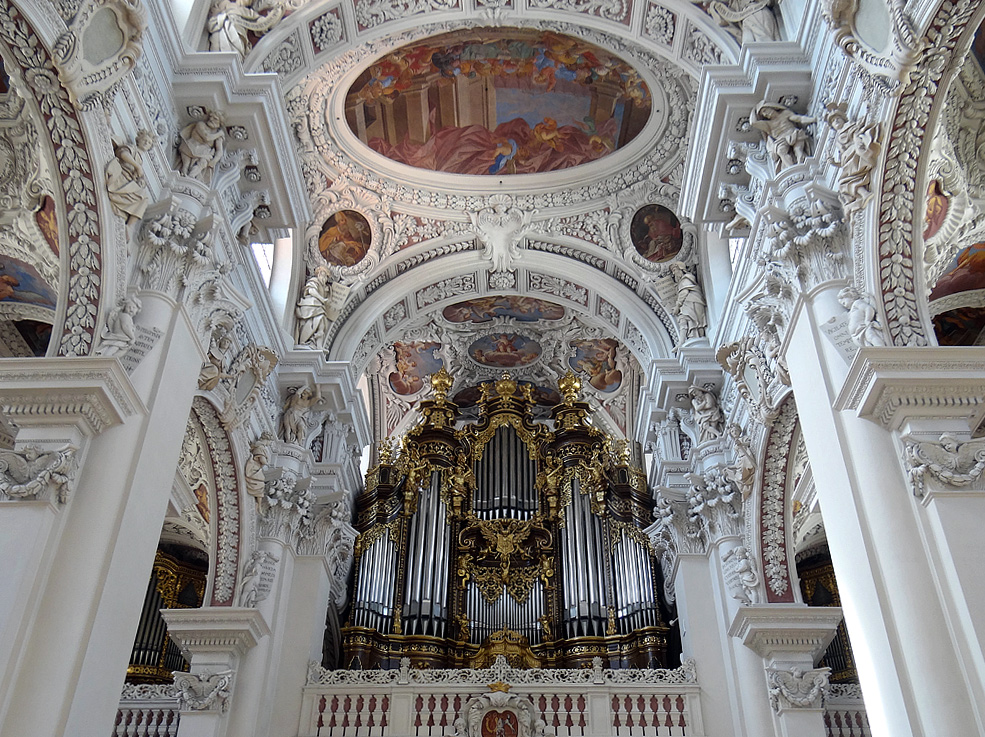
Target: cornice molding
{"points": [[215, 629], [92, 393], [890, 386], [778, 631]]}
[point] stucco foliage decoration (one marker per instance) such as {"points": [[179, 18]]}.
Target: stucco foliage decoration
{"points": [[75, 173], [772, 522], [898, 213], [227, 502]]}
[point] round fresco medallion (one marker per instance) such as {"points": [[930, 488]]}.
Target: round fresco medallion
{"points": [[484, 309], [656, 233], [498, 101], [345, 238], [505, 350]]}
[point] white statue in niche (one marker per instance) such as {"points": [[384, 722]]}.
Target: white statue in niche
{"points": [[747, 20], [294, 424], [784, 131], [707, 414], [201, 147], [690, 306], [313, 309], [253, 474], [125, 181], [857, 153], [231, 22]]}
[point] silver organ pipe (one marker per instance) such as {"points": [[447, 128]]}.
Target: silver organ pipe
{"points": [[487, 513]]}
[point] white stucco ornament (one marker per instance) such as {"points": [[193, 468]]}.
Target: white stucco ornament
{"points": [[499, 713]]}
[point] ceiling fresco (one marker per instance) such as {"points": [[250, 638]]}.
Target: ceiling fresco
{"points": [[498, 101], [484, 309], [477, 340]]}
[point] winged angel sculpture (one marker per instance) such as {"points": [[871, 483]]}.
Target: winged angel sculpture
{"points": [[31, 472], [947, 460]]}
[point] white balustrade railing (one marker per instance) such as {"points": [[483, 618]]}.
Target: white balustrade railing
{"points": [[147, 710], [592, 702]]}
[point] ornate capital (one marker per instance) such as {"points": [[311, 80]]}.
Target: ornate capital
{"points": [[715, 504], [805, 246], [946, 460], [676, 531], [176, 253], [797, 688], [32, 473], [285, 507], [205, 691]]}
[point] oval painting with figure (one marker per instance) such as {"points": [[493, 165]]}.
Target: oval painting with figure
{"points": [[656, 233], [498, 101], [345, 238]]}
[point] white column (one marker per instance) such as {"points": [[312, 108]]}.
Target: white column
{"points": [[790, 638], [213, 640], [914, 670], [75, 640]]}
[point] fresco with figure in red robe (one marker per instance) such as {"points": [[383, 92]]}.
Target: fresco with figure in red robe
{"points": [[498, 101], [656, 233], [484, 309]]}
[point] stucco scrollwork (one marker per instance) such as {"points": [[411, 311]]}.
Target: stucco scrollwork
{"points": [[100, 47], [205, 691], [947, 460], [248, 372], [33, 473], [797, 688]]}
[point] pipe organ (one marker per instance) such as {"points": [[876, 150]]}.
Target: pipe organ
{"points": [[505, 536]]}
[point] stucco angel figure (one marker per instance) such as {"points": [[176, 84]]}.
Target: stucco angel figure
{"points": [[857, 153], [120, 331], [312, 309], [948, 460], [126, 184], [231, 21], [707, 414], [294, 423], [742, 472], [746, 576], [201, 147], [863, 318], [254, 477], [784, 132], [690, 306], [747, 20]]}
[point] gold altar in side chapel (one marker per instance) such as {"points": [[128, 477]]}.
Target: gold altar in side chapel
{"points": [[509, 536]]}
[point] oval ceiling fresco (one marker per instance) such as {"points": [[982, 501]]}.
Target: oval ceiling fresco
{"points": [[498, 101]]}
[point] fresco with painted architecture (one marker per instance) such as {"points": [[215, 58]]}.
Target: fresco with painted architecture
{"points": [[505, 350], [596, 360], [484, 309], [498, 101], [656, 233], [345, 238], [415, 362], [964, 323]]}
